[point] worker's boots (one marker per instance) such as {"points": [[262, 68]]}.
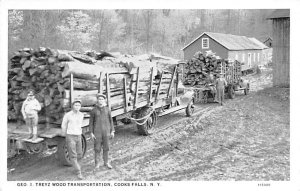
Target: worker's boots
{"points": [[107, 165], [30, 136], [105, 159], [79, 176], [97, 165], [34, 137]]}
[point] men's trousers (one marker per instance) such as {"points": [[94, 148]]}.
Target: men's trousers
{"points": [[101, 142], [74, 146]]}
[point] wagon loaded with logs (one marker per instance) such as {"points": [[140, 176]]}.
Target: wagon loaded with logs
{"points": [[137, 91], [202, 68]]}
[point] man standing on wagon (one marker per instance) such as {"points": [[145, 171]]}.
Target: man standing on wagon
{"points": [[30, 108], [102, 128]]}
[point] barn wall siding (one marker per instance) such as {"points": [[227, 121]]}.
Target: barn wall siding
{"points": [[254, 63], [268, 58], [197, 46], [281, 52]]}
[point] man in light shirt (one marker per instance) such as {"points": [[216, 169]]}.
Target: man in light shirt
{"points": [[30, 108], [71, 128]]}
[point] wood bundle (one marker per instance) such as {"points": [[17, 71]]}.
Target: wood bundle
{"points": [[198, 69], [47, 72]]}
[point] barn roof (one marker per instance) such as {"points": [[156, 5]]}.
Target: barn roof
{"points": [[260, 44], [279, 13], [231, 42]]}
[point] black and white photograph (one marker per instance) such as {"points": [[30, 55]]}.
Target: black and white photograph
{"points": [[143, 98]]}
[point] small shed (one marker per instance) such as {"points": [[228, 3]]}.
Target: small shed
{"points": [[281, 47], [268, 42], [248, 51]]}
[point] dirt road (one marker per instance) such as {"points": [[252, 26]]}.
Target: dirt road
{"points": [[246, 139]]}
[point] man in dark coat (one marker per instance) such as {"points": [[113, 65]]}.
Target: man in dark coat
{"points": [[102, 128], [211, 84]]}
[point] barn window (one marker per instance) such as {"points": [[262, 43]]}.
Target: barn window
{"points": [[236, 56], [249, 60], [257, 57], [254, 57], [205, 43], [243, 57]]}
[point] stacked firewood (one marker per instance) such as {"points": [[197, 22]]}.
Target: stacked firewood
{"points": [[198, 69], [48, 71], [233, 72]]}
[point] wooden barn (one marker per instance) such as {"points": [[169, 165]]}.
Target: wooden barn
{"points": [[281, 47], [249, 51]]}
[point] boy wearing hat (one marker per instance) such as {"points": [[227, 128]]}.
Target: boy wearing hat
{"points": [[220, 86], [102, 128], [71, 128], [30, 108]]}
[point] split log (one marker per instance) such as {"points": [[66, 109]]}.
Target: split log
{"points": [[91, 101], [81, 57], [86, 109], [88, 98], [77, 94], [81, 84], [86, 71]]}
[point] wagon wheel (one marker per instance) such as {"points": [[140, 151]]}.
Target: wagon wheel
{"points": [[11, 148], [231, 92], [33, 148], [148, 127], [190, 108], [62, 151], [126, 121]]}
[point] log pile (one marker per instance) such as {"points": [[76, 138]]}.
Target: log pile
{"points": [[198, 69], [48, 71]]}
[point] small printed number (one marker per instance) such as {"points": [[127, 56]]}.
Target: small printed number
{"points": [[264, 184]]}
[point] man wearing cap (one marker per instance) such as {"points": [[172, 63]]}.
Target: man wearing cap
{"points": [[211, 83], [30, 108], [102, 128], [220, 85], [71, 128]]}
